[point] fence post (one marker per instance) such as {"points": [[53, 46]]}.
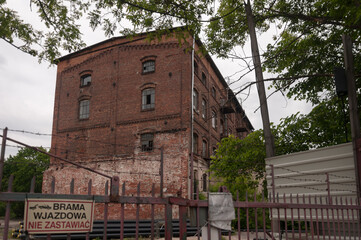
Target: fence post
{"points": [[90, 183], [328, 189], [168, 221], [106, 212], [68, 236], [2, 157], [273, 183], [182, 222], [7, 211]]}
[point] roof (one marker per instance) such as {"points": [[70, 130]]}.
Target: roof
{"points": [[142, 36]]}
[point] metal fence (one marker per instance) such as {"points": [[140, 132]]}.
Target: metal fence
{"points": [[299, 217]]}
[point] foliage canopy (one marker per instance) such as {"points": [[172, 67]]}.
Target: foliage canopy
{"points": [[23, 166]]}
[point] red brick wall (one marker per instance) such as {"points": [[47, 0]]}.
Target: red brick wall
{"points": [[109, 141]]}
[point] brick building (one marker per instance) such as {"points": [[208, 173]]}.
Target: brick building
{"points": [[119, 101]]}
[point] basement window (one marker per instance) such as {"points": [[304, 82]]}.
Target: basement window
{"points": [[146, 141]]}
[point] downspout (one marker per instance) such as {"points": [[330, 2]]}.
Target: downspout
{"points": [[190, 190]]}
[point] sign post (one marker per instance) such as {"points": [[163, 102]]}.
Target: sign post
{"points": [[58, 216]]}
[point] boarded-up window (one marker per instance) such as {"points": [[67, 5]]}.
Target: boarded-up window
{"points": [[147, 142]]}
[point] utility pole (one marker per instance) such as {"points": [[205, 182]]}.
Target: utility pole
{"points": [[270, 146], [2, 155], [352, 101]]}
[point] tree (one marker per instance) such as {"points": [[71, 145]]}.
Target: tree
{"points": [[61, 31], [23, 166], [308, 47], [240, 163]]}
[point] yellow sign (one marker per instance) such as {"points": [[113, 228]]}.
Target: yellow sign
{"points": [[58, 216]]}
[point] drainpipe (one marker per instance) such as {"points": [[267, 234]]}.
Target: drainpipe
{"points": [[191, 176]]}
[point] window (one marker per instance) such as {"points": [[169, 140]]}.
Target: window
{"points": [[204, 109], [204, 181], [195, 143], [204, 148], [195, 100], [214, 119], [221, 126], [214, 151], [85, 80], [204, 78], [195, 183], [213, 92], [84, 109], [195, 68], [146, 141], [148, 98], [148, 66]]}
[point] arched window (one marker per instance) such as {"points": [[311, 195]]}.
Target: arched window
{"points": [[148, 98], [195, 68], [204, 78], [149, 66], [146, 142], [213, 92], [84, 109], [85, 80], [204, 108], [195, 100], [195, 183], [204, 148], [214, 119], [221, 126], [204, 182], [195, 143]]}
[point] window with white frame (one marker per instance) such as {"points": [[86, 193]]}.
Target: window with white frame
{"points": [[84, 109], [148, 99]]}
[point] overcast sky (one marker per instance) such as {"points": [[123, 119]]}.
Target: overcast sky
{"points": [[27, 92]]}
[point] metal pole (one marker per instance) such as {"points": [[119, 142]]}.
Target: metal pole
{"points": [[161, 171], [190, 191], [2, 157]]}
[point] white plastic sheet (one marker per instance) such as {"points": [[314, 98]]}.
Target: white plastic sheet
{"points": [[221, 210]]}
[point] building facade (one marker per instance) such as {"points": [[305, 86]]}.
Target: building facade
{"points": [[118, 103]]}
